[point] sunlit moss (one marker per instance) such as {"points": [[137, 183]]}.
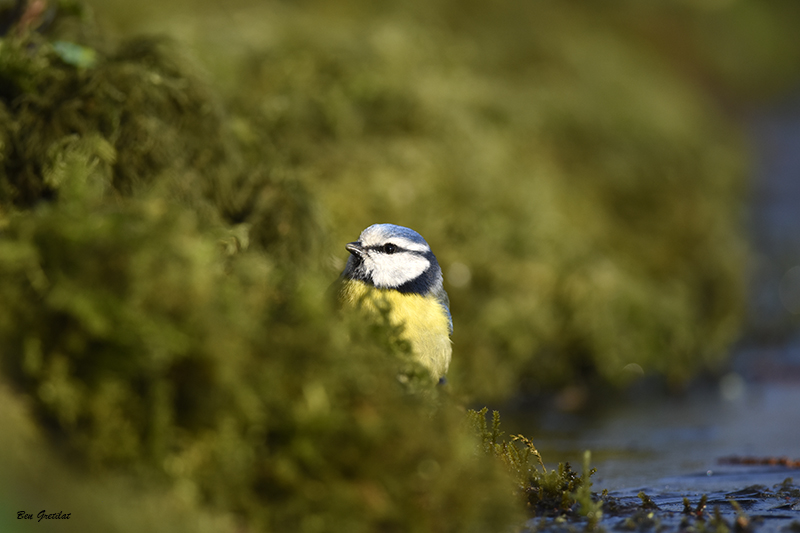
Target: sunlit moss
{"points": [[163, 315], [554, 492], [144, 347], [591, 193]]}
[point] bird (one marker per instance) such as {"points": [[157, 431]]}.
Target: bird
{"points": [[394, 265]]}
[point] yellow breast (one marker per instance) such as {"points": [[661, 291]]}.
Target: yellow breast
{"points": [[425, 324]]}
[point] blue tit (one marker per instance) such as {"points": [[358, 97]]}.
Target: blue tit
{"points": [[394, 265]]}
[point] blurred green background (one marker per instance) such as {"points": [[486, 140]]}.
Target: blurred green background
{"points": [[173, 210]]}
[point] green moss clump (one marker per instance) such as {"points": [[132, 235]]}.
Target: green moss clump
{"points": [[144, 112], [164, 318], [547, 493], [583, 198]]}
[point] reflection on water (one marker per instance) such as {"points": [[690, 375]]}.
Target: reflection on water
{"points": [[775, 222], [640, 444]]}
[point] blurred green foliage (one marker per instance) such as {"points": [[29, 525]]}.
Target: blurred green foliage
{"points": [[172, 211], [584, 195], [156, 323]]}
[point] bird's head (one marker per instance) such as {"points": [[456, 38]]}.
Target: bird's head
{"points": [[393, 257]]}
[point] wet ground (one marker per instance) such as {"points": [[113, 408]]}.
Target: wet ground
{"points": [[640, 444], [676, 448]]}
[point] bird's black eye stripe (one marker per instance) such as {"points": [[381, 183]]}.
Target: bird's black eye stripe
{"points": [[388, 248]]}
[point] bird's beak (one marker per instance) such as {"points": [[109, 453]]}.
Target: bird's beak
{"points": [[355, 248]]}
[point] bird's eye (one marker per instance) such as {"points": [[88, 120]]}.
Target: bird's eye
{"points": [[389, 248]]}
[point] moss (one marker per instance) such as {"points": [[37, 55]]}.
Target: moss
{"points": [[548, 493], [699, 510], [647, 503], [165, 320], [143, 348], [590, 194]]}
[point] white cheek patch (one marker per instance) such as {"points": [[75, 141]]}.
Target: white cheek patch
{"points": [[393, 270]]}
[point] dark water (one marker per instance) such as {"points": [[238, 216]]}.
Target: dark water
{"points": [[672, 449], [654, 443], [675, 448]]}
